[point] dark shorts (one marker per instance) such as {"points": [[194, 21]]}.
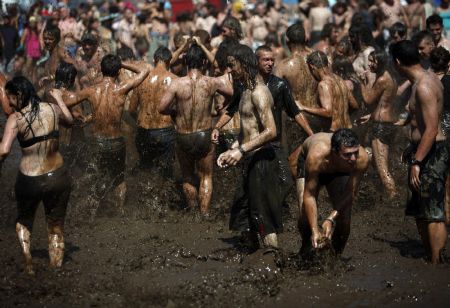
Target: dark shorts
{"points": [[156, 146], [428, 204], [52, 188], [226, 140], [257, 205], [194, 145], [108, 164], [383, 131]]}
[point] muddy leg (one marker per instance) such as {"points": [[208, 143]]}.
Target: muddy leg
{"points": [[55, 243], [381, 156], [423, 232], [187, 167], [205, 170], [437, 234], [121, 192], [25, 242], [305, 233], [300, 185]]}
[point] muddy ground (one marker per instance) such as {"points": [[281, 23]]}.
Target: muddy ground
{"points": [[157, 255]]}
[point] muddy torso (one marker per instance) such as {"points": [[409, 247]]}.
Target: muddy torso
{"points": [[417, 121], [259, 29], [149, 94], [392, 13], [194, 98], [414, 11], [41, 157], [384, 111]]}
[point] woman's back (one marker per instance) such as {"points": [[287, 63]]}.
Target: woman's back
{"points": [[38, 137]]}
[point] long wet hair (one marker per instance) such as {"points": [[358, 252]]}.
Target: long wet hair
{"points": [[381, 58], [249, 64], [26, 95], [65, 75], [343, 67]]}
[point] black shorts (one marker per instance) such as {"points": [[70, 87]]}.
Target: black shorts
{"points": [[194, 145], [257, 205], [226, 140], [428, 203], [156, 146], [52, 188], [383, 131]]}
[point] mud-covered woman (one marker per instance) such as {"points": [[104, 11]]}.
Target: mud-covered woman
{"points": [[42, 175]]}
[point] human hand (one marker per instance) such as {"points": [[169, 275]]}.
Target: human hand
{"points": [[364, 119], [414, 179], [43, 81], [316, 239], [328, 228], [215, 136], [229, 158], [196, 40], [56, 94]]}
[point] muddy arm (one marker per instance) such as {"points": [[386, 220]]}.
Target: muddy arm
{"points": [[9, 135]]}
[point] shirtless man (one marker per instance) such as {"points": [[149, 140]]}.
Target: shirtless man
{"points": [[262, 216], [88, 59], [430, 154], [304, 87], [107, 100], [334, 95], [425, 44], [338, 162], [435, 25], [189, 101], [155, 134], [51, 38], [382, 95], [328, 39], [393, 12], [257, 28]]}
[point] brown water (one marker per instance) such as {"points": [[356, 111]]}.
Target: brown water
{"points": [[157, 255]]}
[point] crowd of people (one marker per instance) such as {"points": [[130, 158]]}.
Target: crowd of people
{"points": [[213, 86]]}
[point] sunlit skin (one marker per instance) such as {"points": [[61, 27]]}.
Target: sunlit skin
{"points": [[380, 98], [321, 160]]}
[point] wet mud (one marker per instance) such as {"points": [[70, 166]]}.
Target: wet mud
{"points": [[158, 254]]}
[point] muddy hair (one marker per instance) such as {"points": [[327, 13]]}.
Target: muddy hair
{"points": [[26, 95], [125, 53], [162, 54], [224, 50], [65, 75], [381, 58], [318, 59], [327, 30], [53, 31], [344, 138], [249, 64], [439, 59], [343, 67], [195, 57], [296, 34], [111, 65], [234, 25]]}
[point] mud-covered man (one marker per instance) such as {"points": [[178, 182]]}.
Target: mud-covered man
{"points": [[429, 157], [336, 161], [107, 100], [259, 185], [189, 101], [381, 96], [155, 136]]}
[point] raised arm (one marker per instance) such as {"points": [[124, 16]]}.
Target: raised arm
{"points": [[9, 135], [133, 82], [65, 115], [372, 95]]}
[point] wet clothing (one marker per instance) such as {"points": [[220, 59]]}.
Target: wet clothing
{"points": [[156, 147], [52, 188], [265, 181], [446, 110], [108, 164], [428, 204], [383, 131], [195, 145]]}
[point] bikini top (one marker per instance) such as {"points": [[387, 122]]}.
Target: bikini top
{"points": [[35, 139]]}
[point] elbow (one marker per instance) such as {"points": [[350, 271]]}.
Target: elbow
{"points": [[272, 133]]}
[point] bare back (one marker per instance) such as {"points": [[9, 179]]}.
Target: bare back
{"points": [[148, 95], [340, 96], [384, 111]]}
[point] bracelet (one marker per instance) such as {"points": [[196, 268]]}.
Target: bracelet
{"points": [[333, 222], [241, 150]]}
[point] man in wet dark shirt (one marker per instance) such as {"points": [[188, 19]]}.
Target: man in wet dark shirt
{"points": [[9, 38]]}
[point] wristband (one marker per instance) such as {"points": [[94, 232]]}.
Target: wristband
{"points": [[414, 161]]}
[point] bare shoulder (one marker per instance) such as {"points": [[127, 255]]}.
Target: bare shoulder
{"points": [[363, 160], [261, 92]]}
